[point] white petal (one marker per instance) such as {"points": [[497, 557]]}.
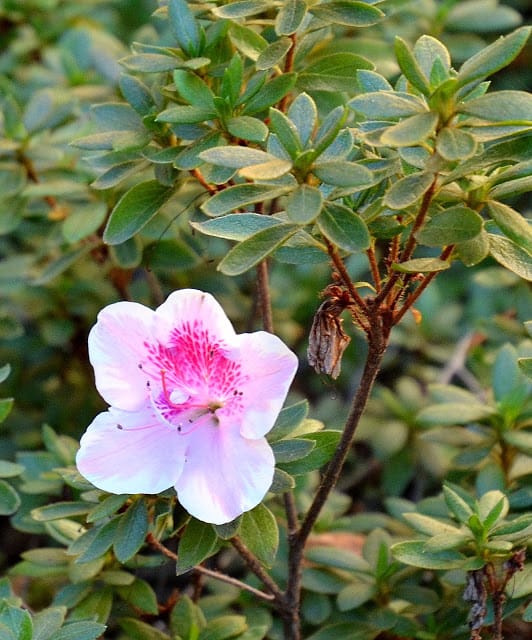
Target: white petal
{"points": [[116, 348], [224, 474], [130, 452], [269, 367], [189, 306]]}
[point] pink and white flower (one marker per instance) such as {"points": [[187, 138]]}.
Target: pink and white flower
{"points": [[191, 402]]}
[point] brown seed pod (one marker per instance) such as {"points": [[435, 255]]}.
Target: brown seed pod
{"points": [[328, 340]]}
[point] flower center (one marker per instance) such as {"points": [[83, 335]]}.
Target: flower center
{"points": [[193, 382]]}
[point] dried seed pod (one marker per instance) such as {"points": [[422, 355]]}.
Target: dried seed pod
{"points": [[328, 340]]}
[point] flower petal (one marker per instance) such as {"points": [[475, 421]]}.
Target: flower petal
{"points": [[224, 474], [269, 367], [116, 347], [130, 452], [187, 306]]}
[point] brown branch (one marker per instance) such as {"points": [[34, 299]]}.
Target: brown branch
{"points": [[377, 342], [263, 290], [408, 250], [374, 268], [157, 544], [346, 279], [211, 188], [256, 568], [288, 66]]}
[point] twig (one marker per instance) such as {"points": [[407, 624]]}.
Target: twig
{"points": [[257, 569], [264, 296], [374, 268], [377, 342], [340, 267], [222, 577]]}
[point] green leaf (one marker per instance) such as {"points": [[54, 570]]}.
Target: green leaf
{"points": [[387, 104], [186, 618], [408, 190], [59, 510], [132, 531], [223, 627], [270, 94], [248, 41], [282, 482], [260, 533], [197, 543], [421, 265], [511, 256], [288, 421], [184, 27], [291, 449], [134, 210], [240, 196], [235, 226], [241, 8], [445, 541], [416, 554], [303, 205], [273, 54], [257, 247], [151, 63], [512, 224], [492, 507], [6, 404], [140, 595], [456, 224], [82, 630], [247, 128], [138, 630], [455, 144], [510, 107], [9, 499], [5, 371], [286, 132], [457, 505], [186, 114], [429, 526], [10, 469], [431, 54], [94, 543], [494, 57], [411, 131], [325, 445], [359, 591], [269, 170], [137, 94], [193, 89], [342, 173], [449, 413], [304, 114], [17, 620], [47, 622], [333, 72], [235, 156], [410, 67], [290, 16], [475, 250], [344, 228], [347, 12]]}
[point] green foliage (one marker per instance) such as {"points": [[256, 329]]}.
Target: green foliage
{"points": [[142, 155]]}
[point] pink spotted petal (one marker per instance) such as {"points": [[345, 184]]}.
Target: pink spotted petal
{"points": [[130, 452], [224, 474], [187, 306], [269, 367], [116, 347]]}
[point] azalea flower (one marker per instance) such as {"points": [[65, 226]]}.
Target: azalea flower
{"points": [[191, 402]]}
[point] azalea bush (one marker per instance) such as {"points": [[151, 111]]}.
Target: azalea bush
{"points": [[265, 334]]}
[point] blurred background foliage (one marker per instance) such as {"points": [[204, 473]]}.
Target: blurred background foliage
{"points": [[57, 58]]}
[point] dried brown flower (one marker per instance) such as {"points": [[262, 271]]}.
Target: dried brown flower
{"points": [[328, 340]]}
